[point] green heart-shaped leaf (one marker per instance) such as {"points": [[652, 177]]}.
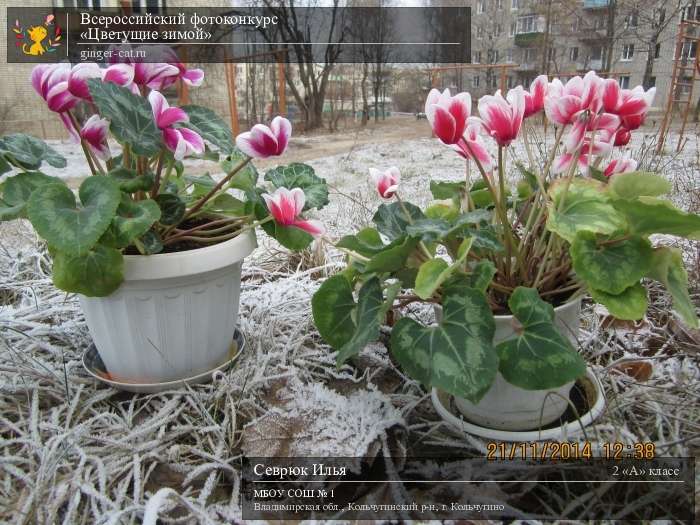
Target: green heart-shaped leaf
{"points": [[130, 116], [630, 305], [635, 184], [434, 272], [4, 165], [96, 273], [210, 127], [610, 268], [667, 268], [18, 189], [29, 152], [539, 357], [647, 215], [302, 176], [586, 207], [225, 203], [393, 257], [366, 242], [172, 208], [246, 178], [457, 355], [447, 189], [151, 242], [332, 306], [70, 228], [369, 315], [392, 219], [134, 218], [130, 182]]}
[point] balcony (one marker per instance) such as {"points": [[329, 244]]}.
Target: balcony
{"points": [[592, 63], [529, 39], [595, 4], [527, 66], [592, 35]]}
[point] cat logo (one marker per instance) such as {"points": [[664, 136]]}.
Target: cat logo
{"points": [[35, 40]]}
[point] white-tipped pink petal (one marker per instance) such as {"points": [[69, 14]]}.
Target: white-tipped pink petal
{"points": [[620, 166], [193, 77], [311, 227], [79, 75], [68, 124], [120, 74], [94, 132], [193, 141], [387, 182]]}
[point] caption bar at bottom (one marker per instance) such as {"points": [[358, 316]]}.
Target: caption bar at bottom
{"points": [[467, 488]]}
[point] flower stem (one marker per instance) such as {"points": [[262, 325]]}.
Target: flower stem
{"points": [[201, 202]]}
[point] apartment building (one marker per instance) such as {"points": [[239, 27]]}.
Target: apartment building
{"points": [[634, 41]]}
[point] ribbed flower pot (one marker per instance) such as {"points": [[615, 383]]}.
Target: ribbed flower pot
{"points": [[509, 407], [173, 316]]}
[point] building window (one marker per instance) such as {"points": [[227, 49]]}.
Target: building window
{"points": [[513, 26], [493, 56], [481, 7], [528, 54], [510, 82], [689, 50], [527, 24], [475, 81], [93, 5], [632, 20], [498, 30], [477, 57], [627, 52], [494, 82], [515, 4], [499, 4], [685, 84], [692, 13], [657, 51], [552, 54], [480, 32], [625, 82], [573, 54], [509, 55]]}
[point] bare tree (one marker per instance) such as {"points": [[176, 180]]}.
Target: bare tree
{"points": [[300, 27]]}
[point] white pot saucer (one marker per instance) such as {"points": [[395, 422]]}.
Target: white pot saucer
{"points": [[95, 367], [589, 385]]}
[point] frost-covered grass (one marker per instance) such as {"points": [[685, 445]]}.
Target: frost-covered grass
{"points": [[73, 451]]}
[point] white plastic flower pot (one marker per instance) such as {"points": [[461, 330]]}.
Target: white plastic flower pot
{"points": [[509, 407], [174, 315]]}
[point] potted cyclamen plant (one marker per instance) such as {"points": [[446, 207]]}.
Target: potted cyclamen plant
{"points": [[507, 264], [154, 253]]}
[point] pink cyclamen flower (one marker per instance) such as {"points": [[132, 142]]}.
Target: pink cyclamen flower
{"points": [[564, 102], [50, 81], [472, 146], [448, 114], [94, 132], [263, 141], [286, 206], [620, 166], [78, 77], [622, 136], [387, 182], [626, 102], [534, 99], [589, 148], [181, 141], [502, 117]]}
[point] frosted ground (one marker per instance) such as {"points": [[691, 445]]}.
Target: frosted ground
{"points": [[73, 451]]}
